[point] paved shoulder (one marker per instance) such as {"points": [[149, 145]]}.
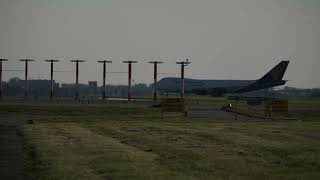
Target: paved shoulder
{"points": [[11, 148], [215, 113]]}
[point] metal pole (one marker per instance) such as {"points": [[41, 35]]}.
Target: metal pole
{"points": [[155, 72], [104, 77], [77, 80], [129, 82], [183, 64], [26, 77], [104, 81], [0, 79], [236, 111], [51, 77], [182, 80], [155, 82], [77, 77], [265, 111], [1, 60], [129, 77], [26, 81]]}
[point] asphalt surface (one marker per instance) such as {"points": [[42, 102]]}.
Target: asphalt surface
{"points": [[11, 149], [195, 110], [215, 113]]}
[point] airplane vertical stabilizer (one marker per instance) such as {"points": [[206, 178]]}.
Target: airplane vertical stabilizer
{"points": [[271, 79], [276, 74]]}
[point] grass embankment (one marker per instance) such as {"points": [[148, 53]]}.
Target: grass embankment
{"points": [[115, 143]]}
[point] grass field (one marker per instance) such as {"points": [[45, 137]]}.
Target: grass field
{"points": [[117, 143]]}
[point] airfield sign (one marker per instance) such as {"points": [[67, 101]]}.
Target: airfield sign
{"points": [[173, 105], [279, 105]]}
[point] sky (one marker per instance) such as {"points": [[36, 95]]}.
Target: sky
{"points": [[223, 39]]}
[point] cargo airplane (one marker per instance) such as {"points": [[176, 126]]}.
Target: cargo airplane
{"points": [[219, 87]]}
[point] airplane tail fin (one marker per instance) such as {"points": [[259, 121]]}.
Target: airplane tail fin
{"points": [[275, 74], [271, 79]]}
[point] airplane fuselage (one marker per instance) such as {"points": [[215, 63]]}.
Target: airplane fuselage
{"points": [[218, 87], [172, 84]]}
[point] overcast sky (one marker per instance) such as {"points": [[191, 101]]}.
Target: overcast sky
{"points": [[224, 39]]}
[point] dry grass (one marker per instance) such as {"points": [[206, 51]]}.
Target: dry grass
{"points": [[115, 143]]}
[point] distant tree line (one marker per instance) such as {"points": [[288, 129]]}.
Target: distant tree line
{"points": [[315, 92], [287, 92], [41, 88]]}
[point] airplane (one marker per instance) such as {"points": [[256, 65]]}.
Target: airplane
{"points": [[219, 87]]}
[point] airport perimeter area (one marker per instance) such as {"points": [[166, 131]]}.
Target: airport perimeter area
{"points": [[117, 140]]}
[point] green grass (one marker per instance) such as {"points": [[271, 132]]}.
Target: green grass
{"points": [[118, 143], [305, 101]]}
